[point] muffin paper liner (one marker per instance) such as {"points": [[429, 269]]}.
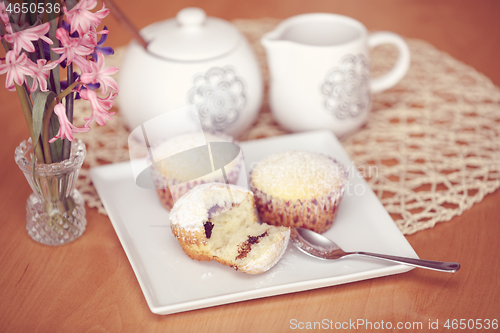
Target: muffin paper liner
{"points": [[170, 191], [317, 214]]}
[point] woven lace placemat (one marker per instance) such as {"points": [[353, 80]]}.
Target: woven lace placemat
{"points": [[430, 148]]}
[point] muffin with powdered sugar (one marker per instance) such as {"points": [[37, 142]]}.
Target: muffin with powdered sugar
{"points": [[218, 222], [298, 189]]}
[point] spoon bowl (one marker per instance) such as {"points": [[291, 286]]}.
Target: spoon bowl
{"points": [[320, 247]]}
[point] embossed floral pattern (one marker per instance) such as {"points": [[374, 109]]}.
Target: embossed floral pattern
{"points": [[219, 96], [346, 89]]}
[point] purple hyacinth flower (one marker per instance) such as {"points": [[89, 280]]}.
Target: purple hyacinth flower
{"points": [[106, 50], [46, 50], [67, 27], [93, 86]]}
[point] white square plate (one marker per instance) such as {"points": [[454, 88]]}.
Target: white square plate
{"points": [[172, 282]]}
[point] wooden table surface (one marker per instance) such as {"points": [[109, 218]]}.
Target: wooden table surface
{"points": [[89, 285]]}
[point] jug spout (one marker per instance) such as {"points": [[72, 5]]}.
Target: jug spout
{"points": [[272, 40], [316, 30], [278, 52], [280, 37]]}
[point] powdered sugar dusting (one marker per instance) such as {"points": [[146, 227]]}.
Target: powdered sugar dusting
{"points": [[191, 210], [296, 175]]}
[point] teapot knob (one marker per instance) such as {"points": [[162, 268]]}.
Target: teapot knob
{"points": [[191, 16]]}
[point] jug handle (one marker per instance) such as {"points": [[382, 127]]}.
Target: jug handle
{"points": [[402, 65]]}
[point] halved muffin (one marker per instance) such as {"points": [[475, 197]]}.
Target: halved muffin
{"points": [[218, 222]]}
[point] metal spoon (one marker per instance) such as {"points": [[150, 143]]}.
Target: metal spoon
{"points": [[318, 246]]}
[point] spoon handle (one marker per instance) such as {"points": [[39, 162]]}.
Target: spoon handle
{"points": [[450, 267]]}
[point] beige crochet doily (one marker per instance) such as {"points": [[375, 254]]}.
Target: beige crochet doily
{"points": [[434, 138]]}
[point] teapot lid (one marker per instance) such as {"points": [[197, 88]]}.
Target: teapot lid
{"points": [[191, 36]]}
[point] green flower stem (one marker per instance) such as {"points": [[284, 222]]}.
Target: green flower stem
{"points": [[28, 94], [54, 73], [47, 116], [21, 93], [46, 144], [56, 146], [69, 112]]}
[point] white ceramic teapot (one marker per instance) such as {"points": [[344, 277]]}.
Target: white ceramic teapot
{"points": [[192, 59]]}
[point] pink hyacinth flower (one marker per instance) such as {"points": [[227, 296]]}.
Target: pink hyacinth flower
{"points": [[90, 38], [16, 68], [100, 107], [66, 128], [23, 39], [99, 74], [72, 50], [41, 73], [82, 19]]}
